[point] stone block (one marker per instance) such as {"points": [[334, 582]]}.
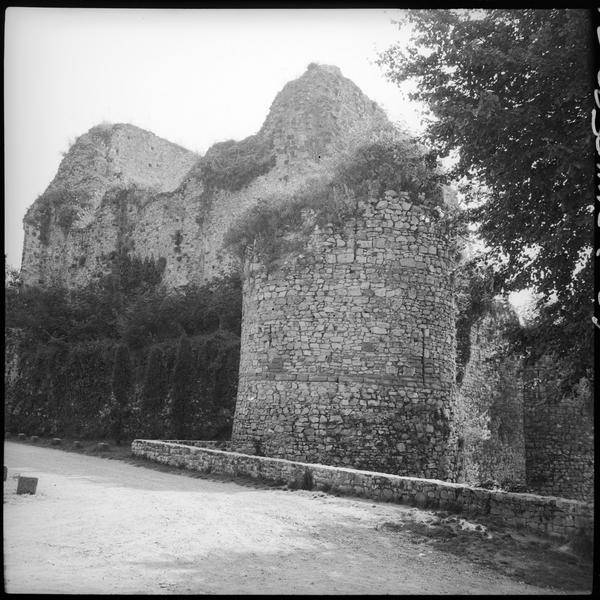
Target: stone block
{"points": [[35, 439], [27, 485], [103, 446], [56, 441], [21, 436]]}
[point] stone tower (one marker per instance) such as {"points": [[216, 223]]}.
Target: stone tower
{"points": [[348, 349]]}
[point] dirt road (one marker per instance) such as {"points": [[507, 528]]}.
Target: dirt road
{"points": [[105, 526]]}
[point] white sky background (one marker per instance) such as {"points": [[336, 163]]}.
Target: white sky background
{"points": [[194, 77]]}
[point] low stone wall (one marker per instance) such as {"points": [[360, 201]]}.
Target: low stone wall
{"points": [[546, 515]]}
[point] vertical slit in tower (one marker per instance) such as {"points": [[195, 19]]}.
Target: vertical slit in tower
{"points": [[423, 355], [355, 229]]}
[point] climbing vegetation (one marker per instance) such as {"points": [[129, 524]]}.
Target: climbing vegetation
{"points": [[383, 160], [68, 345]]}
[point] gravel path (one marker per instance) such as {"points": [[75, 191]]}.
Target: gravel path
{"points": [[105, 526]]}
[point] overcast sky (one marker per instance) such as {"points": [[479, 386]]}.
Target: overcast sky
{"points": [[194, 77]]}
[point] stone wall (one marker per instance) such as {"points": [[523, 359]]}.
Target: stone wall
{"points": [[559, 434], [553, 517], [70, 230], [347, 351], [490, 405]]}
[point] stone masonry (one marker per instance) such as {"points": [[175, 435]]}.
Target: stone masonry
{"points": [[70, 231], [559, 435], [490, 405], [347, 354]]}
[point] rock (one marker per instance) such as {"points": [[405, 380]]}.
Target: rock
{"points": [[27, 485]]}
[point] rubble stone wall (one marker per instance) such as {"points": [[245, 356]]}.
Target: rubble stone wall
{"points": [[490, 405], [347, 351], [559, 435]]}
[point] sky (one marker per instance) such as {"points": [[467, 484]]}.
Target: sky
{"points": [[194, 77]]}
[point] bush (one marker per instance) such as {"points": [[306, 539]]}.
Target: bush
{"points": [[183, 376], [121, 390], [154, 392], [66, 346], [278, 226]]}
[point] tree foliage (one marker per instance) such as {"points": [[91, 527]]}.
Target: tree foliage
{"points": [[510, 90]]}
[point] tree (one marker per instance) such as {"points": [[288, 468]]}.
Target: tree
{"points": [[121, 389], [509, 92], [154, 390], [182, 388]]}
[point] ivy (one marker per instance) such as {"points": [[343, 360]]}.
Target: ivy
{"points": [[278, 226], [66, 349], [231, 166]]}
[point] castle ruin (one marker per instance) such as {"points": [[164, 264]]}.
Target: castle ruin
{"points": [[348, 347]]}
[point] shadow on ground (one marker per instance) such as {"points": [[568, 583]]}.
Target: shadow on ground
{"points": [[518, 555], [521, 556]]}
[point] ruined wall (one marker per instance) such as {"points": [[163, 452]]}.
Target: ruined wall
{"points": [[70, 230], [559, 434], [348, 350], [490, 405], [189, 202]]}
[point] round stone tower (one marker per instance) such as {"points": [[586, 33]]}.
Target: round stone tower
{"points": [[347, 350]]}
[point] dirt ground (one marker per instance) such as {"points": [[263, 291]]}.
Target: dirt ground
{"points": [[129, 526]]}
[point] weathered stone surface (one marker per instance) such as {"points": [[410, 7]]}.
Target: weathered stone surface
{"points": [[27, 485], [490, 404], [559, 434], [71, 231], [358, 402]]}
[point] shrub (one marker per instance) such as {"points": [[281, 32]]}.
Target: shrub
{"points": [[66, 344], [181, 393], [154, 391], [278, 226], [232, 165], [121, 389], [307, 481]]}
